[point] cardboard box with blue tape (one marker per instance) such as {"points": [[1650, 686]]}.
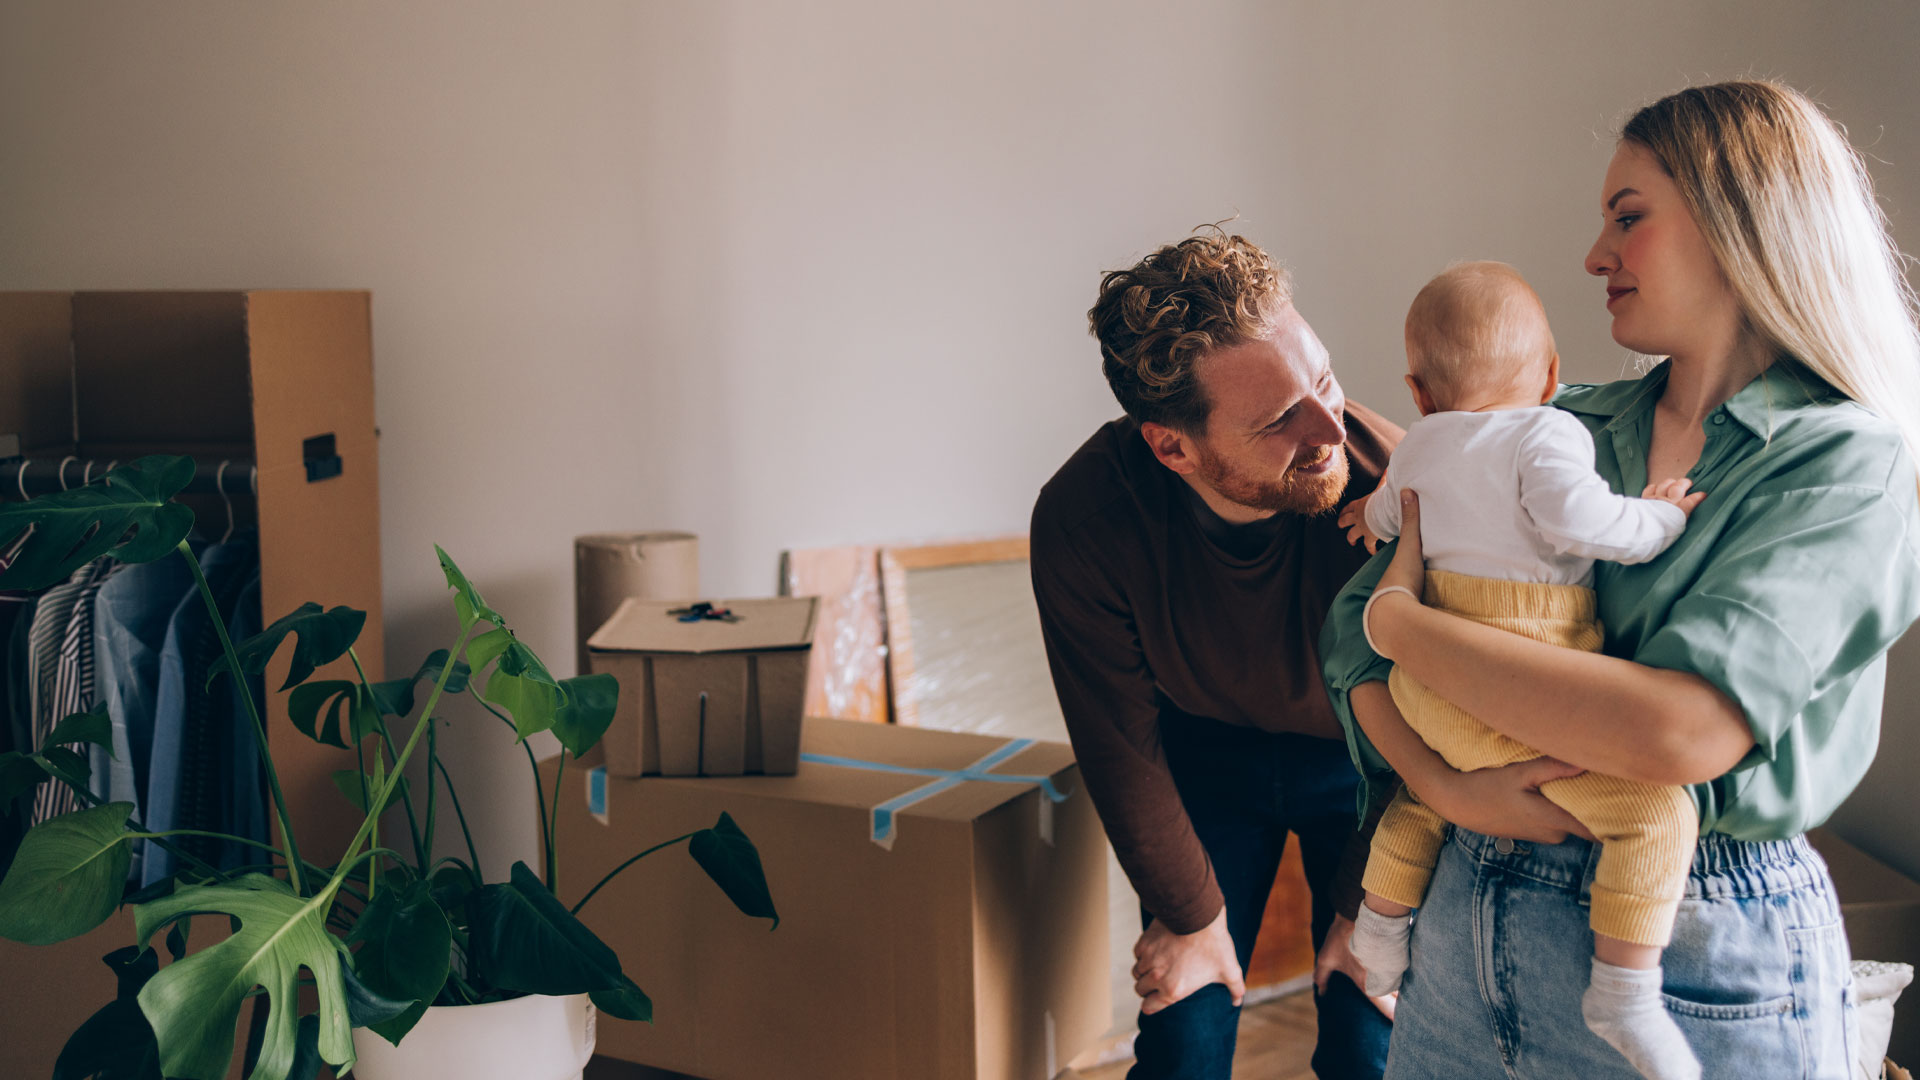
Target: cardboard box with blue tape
{"points": [[942, 904]]}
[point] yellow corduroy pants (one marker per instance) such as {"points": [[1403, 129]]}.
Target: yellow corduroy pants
{"points": [[1646, 832]]}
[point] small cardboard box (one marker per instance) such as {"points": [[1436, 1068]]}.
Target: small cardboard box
{"points": [[706, 698], [933, 924], [1881, 909]]}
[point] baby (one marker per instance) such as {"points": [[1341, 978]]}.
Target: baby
{"points": [[1513, 517]]}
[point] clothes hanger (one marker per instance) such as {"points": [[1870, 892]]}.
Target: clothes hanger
{"points": [[219, 481]]}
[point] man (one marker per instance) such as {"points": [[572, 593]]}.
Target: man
{"points": [[1184, 560]]}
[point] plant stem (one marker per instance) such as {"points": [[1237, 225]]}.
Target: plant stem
{"points": [[204, 832], [380, 720], [433, 756], [539, 789], [439, 687], [292, 850], [472, 852], [615, 872], [552, 822]]}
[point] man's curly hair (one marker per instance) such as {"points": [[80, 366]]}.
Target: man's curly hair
{"points": [[1155, 320]]}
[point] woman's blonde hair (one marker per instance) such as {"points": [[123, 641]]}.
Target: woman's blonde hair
{"points": [[1788, 210]]}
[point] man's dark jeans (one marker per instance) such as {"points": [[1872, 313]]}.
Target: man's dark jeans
{"points": [[1245, 790]]}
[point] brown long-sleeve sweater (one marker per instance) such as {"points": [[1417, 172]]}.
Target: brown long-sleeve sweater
{"points": [[1147, 599]]}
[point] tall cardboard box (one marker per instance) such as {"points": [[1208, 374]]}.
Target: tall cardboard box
{"points": [[958, 932], [707, 697]]}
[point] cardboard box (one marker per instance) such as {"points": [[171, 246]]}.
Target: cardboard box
{"points": [[1881, 908], [931, 926], [706, 698]]}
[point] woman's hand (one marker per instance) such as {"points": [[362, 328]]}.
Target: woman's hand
{"points": [[1499, 802], [1507, 801], [1407, 569]]}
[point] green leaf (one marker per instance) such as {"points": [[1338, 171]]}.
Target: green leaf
{"points": [[405, 943], [324, 636], [396, 1029], [194, 1003], [339, 697], [395, 696], [530, 703], [66, 765], [129, 514], [487, 647], [306, 1050], [731, 860], [523, 686], [116, 1043], [586, 709], [466, 599], [67, 875], [627, 1002], [452, 885], [93, 726], [19, 774], [348, 781], [365, 1005], [524, 939]]}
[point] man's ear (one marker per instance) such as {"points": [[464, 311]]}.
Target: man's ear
{"points": [[1553, 380], [1171, 447], [1421, 399]]}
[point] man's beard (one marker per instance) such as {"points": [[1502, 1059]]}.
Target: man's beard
{"points": [[1296, 492]]}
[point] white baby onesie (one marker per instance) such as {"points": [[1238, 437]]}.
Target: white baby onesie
{"points": [[1511, 494]]}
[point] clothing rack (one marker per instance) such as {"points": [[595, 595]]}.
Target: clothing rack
{"points": [[28, 476]]}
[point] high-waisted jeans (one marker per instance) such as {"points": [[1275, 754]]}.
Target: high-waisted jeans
{"points": [[1757, 974]]}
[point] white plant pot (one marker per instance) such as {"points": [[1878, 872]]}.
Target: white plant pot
{"points": [[526, 1038]]}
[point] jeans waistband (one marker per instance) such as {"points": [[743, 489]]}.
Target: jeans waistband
{"points": [[1723, 867]]}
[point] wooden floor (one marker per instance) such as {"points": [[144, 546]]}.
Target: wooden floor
{"points": [[1276, 1039]]}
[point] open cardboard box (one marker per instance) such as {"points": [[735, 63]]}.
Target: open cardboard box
{"points": [[706, 698], [930, 926]]}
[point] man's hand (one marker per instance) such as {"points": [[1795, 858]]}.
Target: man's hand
{"points": [[1507, 802], [1170, 966], [1353, 518], [1336, 954]]}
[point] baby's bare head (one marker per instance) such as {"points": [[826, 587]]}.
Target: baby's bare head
{"points": [[1478, 334]]}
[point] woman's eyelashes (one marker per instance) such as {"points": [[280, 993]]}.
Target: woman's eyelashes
{"points": [[1625, 221]]}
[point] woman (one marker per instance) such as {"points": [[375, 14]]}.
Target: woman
{"points": [[1740, 239]]}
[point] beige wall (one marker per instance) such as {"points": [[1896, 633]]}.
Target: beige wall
{"points": [[802, 274]]}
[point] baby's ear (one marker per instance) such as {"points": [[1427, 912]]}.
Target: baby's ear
{"points": [[1421, 399], [1553, 380]]}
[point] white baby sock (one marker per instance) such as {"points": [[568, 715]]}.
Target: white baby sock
{"points": [[1623, 1006], [1380, 943]]}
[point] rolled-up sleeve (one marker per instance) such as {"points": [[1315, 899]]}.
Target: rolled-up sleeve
{"points": [[1346, 661], [1802, 590]]}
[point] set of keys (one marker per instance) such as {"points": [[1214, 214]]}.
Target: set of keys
{"points": [[703, 610]]}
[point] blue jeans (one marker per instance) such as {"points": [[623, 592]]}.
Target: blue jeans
{"points": [[1245, 790], [1756, 976]]}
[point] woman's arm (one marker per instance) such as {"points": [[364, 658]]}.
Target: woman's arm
{"points": [[1499, 802], [1598, 712]]}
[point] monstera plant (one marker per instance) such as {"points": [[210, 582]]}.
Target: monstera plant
{"points": [[381, 935]]}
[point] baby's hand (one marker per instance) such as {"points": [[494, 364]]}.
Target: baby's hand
{"points": [[1675, 492], [1353, 518]]}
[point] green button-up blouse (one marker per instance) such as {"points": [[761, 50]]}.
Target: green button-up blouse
{"points": [[1793, 578]]}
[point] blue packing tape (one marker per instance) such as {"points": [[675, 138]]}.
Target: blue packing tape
{"points": [[943, 780]]}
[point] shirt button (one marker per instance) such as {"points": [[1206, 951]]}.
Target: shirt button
{"points": [[1719, 418], [1503, 845]]}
